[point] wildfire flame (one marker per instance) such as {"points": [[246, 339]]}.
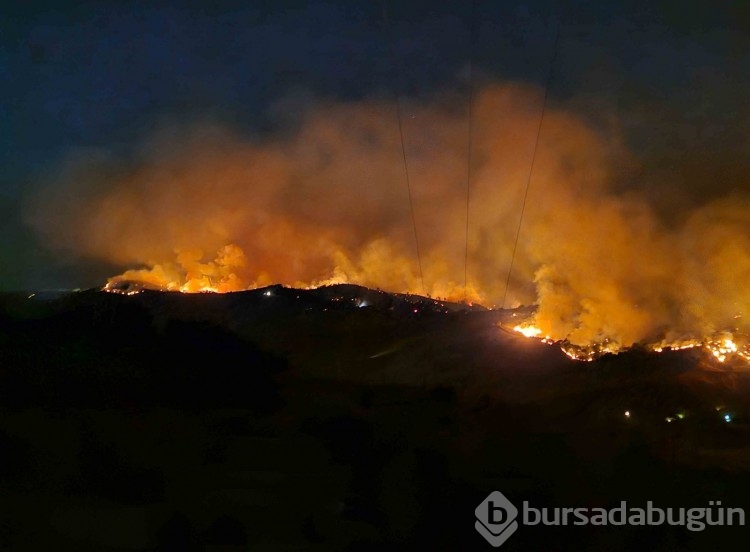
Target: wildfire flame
{"points": [[722, 348], [528, 331], [200, 208]]}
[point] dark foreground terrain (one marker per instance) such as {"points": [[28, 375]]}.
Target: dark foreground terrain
{"points": [[342, 419]]}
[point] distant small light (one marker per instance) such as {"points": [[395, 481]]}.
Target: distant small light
{"points": [[627, 413], [681, 415], [32, 295], [727, 418], [268, 293], [416, 310], [670, 419]]}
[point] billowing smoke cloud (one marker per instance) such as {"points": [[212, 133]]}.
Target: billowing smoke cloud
{"points": [[200, 207]]}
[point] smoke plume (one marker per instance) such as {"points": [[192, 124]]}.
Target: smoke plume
{"points": [[201, 207]]}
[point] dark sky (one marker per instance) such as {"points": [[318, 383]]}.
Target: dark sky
{"points": [[102, 74]]}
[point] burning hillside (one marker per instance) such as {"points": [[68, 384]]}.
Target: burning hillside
{"points": [[723, 346], [200, 208]]}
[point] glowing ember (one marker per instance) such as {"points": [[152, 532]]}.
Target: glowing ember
{"points": [[675, 346]]}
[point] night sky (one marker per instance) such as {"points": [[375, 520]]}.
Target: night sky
{"points": [[82, 76]]}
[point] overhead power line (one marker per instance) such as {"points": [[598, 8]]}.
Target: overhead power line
{"points": [[468, 150], [533, 161], [403, 154]]}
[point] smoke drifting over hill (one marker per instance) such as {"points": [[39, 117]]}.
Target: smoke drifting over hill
{"points": [[199, 207]]}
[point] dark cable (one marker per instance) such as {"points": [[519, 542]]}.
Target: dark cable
{"points": [[533, 160], [406, 164], [408, 187], [468, 151]]}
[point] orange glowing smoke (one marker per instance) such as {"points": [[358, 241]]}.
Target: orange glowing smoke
{"points": [[199, 207]]}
